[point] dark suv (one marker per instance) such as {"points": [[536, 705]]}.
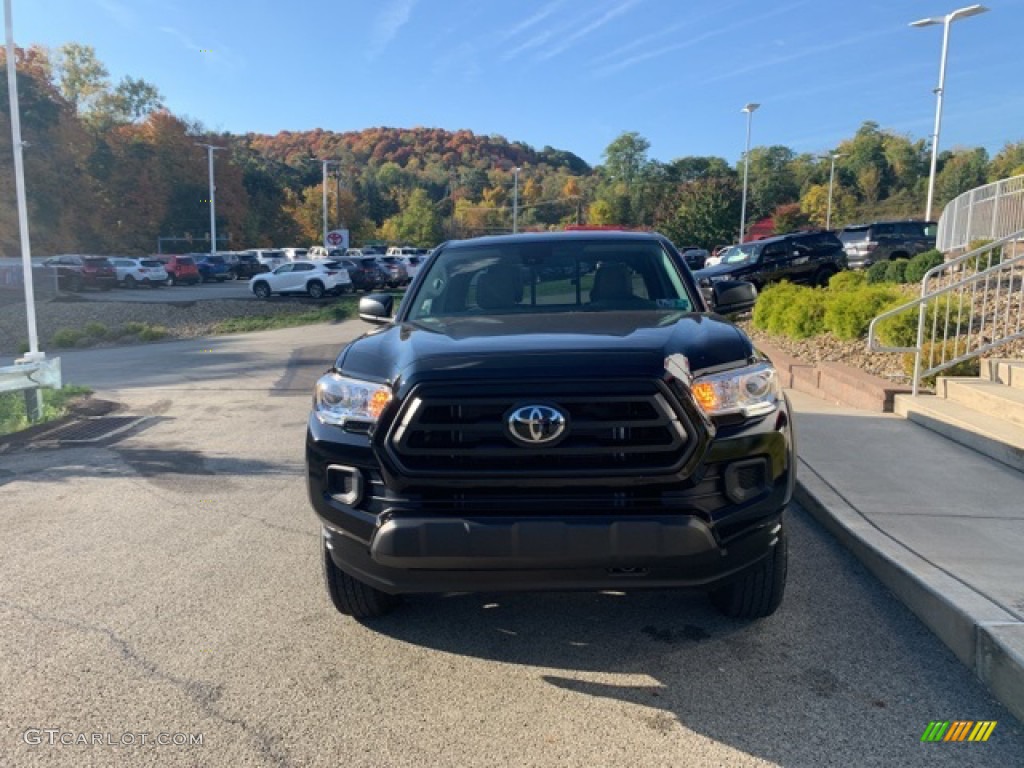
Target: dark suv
{"points": [[526, 422], [810, 258], [867, 244]]}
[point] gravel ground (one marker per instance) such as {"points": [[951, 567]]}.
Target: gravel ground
{"points": [[183, 320]]}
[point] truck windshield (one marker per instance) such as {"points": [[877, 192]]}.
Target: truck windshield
{"points": [[544, 276]]}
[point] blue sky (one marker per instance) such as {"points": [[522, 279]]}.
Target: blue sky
{"points": [[569, 73]]}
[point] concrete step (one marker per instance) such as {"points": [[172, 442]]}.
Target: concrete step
{"points": [[1011, 373], [992, 436], [1006, 371], [988, 397]]}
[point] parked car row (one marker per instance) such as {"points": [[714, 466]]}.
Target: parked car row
{"points": [[365, 269]]}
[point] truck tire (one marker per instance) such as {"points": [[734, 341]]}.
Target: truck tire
{"points": [[757, 592], [351, 596]]}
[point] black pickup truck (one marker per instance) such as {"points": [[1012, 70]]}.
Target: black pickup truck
{"points": [[552, 411]]}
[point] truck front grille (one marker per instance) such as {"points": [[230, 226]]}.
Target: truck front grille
{"points": [[616, 427]]}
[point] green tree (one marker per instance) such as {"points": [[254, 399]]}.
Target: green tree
{"points": [[788, 218], [80, 75], [964, 171], [601, 213], [771, 180], [626, 157], [708, 213], [1009, 161], [814, 204], [132, 100]]}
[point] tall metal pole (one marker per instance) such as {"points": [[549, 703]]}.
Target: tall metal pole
{"points": [[324, 185], [19, 183], [831, 179], [210, 149], [515, 202], [325, 163], [938, 120], [749, 109], [945, 21]]}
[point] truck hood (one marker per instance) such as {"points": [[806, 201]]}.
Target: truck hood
{"points": [[564, 345]]}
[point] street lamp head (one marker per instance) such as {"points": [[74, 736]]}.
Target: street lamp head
{"points": [[963, 13], [959, 13], [750, 107]]}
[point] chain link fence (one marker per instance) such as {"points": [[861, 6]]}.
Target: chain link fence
{"points": [[12, 286]]}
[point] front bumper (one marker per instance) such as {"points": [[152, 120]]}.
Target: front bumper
{"points": [[611, 533]]}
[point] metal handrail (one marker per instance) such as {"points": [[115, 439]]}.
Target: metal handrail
{"points": [[986, 212], [1003, 270]]}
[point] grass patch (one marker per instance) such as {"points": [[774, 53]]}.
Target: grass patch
{"points": [[55, 405], [67, 337], [343, 310]]}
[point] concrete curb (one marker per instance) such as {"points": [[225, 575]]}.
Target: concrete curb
{"points": [[834, 382], [987, 639]]}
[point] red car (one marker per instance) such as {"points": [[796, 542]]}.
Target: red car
{"points": [[75, 272], [181, 269]]}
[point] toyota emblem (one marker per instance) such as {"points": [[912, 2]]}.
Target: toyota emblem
{"points": [[536, 424]]}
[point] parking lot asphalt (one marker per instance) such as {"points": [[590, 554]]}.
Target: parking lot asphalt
{"points": [[169, 582]]}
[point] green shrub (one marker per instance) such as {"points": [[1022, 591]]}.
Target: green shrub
{"points": [[133, 328], [791, 310], [848, 313], [153, 333], [945, 315], [982, 261], [67, 337], [770, 304], [896, 271], [876, 272], [847, 280], [804, 316], [96, 330], [23, 347], [922, 263]]}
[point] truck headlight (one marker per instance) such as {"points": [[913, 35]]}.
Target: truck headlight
{"points": [[338, 399], [752, 391]]}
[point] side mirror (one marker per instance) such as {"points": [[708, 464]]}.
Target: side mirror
{"points": [[376, 308], [729, 296]]}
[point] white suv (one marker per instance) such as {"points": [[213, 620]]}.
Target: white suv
{"points": [[314, 278], [135, 272]]}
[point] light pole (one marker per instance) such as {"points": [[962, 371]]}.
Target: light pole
{"points": [[749, 109], [19, 183], [515, 201], [326, 163], [945, 21], [210, 149], [831, 179]]}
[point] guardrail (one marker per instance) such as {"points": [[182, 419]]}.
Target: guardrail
{"points": [[29, 376], [990, 212], [968, 306]]}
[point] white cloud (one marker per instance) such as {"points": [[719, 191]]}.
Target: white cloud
{"points": [[389, 21], [567, 43], [122, 14], [538, 17]]}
